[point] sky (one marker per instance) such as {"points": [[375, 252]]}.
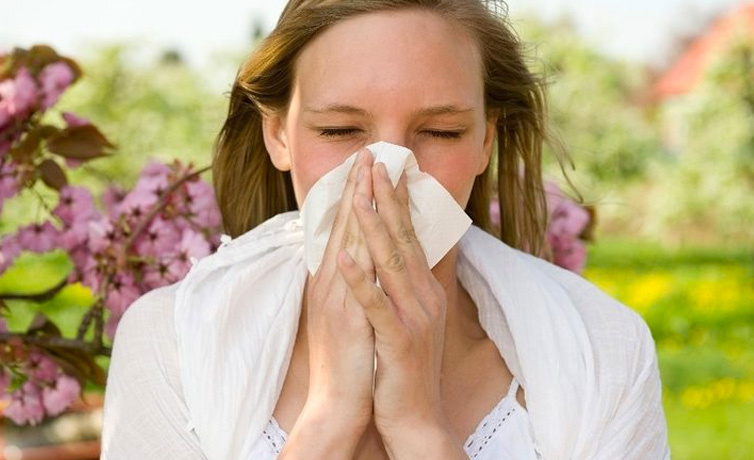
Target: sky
{"points": [[637, 30]]}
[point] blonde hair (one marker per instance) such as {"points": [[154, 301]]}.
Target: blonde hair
{"points": [[250, 189]]}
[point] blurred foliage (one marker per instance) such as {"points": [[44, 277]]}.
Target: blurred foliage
{"points": [[160, 109], [593, 107], [699, 304], [709, 185], [150, 108]]}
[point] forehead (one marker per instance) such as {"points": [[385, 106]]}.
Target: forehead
{"points": [[404, 56]]}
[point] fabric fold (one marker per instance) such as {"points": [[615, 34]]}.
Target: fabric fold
{"points": [[575, 350]]}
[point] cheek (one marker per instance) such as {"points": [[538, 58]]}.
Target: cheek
{"points": [[311, 160], [455, 169]]}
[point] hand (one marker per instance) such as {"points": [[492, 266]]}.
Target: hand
{"points": [[407, 313], [340, 339]]}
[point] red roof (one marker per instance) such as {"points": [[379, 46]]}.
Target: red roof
{"points": [[687, 72]]}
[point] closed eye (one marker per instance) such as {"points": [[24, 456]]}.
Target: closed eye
{"points": [[337, 132], [444, 134], [341, 132]]}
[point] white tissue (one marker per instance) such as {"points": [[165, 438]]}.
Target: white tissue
{"points": [[439, 222]]}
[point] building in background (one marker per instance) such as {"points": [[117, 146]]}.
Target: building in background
{"points": [[674, 88]]}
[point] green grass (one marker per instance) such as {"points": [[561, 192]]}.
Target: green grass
{"points": [[699, 304]]}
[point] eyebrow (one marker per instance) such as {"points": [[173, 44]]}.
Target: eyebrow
{"points": [[351, 110]]}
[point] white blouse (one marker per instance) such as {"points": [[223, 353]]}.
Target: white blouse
{"points": [[503, 434], [197, 366]]}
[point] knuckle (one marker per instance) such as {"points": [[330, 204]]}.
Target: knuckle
{"points": [[406, 234], [395, 262], [349, 238]]}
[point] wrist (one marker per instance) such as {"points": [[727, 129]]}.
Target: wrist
{"points": [[426, 441], [323, 432]]}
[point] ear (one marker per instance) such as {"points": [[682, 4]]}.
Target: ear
{"points": [[490, 131], [276, 142]]}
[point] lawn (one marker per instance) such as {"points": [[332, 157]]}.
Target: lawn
{"points": [[699, 304]]}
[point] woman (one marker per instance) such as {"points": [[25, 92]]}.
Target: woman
{"points": [[490, 353]]}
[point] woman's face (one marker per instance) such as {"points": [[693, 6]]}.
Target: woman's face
{"points": [[407, 77]]}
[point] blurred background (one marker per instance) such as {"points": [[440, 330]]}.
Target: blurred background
{"points": [[654, 100]]}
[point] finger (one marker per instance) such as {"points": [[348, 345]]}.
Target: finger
{"points": [[393, 208], [389, 262], [358, 248], [335, 242], [380, 311]]}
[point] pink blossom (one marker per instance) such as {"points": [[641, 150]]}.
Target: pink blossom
{"points": [[58, 397], [137, 203], [156, 169], [122, 293], [111, 198], [193, 245], [39, 237], [102, 235], [40, 367], [9, 250], [55, 78], [111, 325], [75, 204], [26, 405], [91, 275], [569, 252], [75, 236], [72, 120], [159, 238], [202, 204], [173, 267], [568, 219], [80, 255], [18, 95], [9, 185], [566, 216], [495, 211]]}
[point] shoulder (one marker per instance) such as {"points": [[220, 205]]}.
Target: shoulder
{"points": [[150, 317], [145, 339], [611, 325]]}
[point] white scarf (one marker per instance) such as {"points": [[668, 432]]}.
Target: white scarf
{"points": [[587, 363]]}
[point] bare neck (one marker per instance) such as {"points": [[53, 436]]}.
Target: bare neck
{"points": [[462, 327]]}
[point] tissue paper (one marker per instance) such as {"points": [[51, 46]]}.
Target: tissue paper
{"points": [[439, 222]]}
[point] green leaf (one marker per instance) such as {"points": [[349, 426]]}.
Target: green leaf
{"points": [[33, 273], [20, 314], [68, 307]]}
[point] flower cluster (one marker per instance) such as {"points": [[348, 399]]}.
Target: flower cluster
{"points": [[46, 390], [30, 83], [569, 226], [131, 243]]}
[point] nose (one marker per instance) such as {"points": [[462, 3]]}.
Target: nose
{"points": [[394, 134]]}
